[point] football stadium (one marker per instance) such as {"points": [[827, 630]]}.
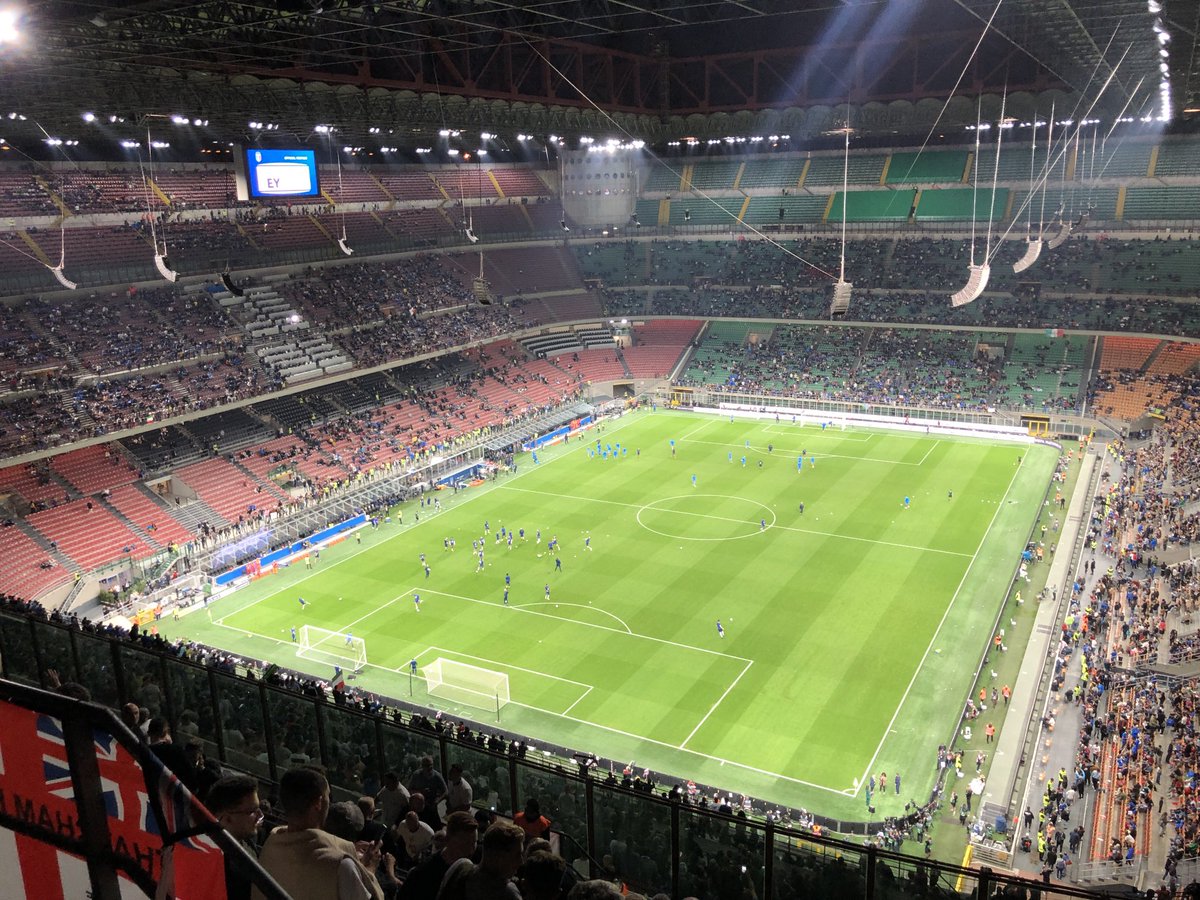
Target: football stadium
{"points": [[578, 450]]}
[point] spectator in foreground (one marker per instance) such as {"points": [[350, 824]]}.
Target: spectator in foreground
{"points": [[308, 862], [491, 879], [461, 836], [531, 820], [233, 799]]}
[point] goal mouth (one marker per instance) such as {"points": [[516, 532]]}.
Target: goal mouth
{"points": [[332, 648], [468, 685]]}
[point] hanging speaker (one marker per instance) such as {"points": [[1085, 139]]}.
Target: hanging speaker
{"points": [[345, 248], [164, 267], [230, 286], [57, 272]]}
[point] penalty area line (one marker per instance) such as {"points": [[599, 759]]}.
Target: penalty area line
{"points": [[713, 708]]}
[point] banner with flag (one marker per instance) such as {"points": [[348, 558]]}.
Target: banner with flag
{"points": [[154, 825]]}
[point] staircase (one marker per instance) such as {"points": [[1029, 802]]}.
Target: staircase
{"points": [[54, 553]]}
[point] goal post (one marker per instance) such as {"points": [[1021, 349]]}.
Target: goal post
{"points": [[469, 685], [334, 648]]}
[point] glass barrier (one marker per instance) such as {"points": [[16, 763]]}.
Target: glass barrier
{"points": [[142, 679], [633, 839], [192, 698], [488, 775], [292, 722], [720, 858], [20, 659], [243, 725], [349, 752], [652, 843], [96, 670], [54, 644]]}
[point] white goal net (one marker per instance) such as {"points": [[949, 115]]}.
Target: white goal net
{"points": [[466, 684], [334, 648]]}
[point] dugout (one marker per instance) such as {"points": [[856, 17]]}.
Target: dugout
{"points": [[1036, 424]]}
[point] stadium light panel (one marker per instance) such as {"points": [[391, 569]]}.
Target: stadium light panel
{"points": [[179, 120], [10, 26], [89, 117]]}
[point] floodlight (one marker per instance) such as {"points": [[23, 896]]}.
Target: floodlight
{"points": [[89, 117], [10, 31], [179, 120]]}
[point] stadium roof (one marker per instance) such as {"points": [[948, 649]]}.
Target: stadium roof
{"points": [[658, 70]]}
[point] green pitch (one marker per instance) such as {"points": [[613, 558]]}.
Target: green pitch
{"points": [[851, 630]]}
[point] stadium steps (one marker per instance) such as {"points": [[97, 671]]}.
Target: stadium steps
{"points": [[130, 524], [195, 513], [268, 485], [1154, 354], [53, 552]]}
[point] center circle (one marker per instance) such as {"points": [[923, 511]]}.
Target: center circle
{"points": [[705, 517]]}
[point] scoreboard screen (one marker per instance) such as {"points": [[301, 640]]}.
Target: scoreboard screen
{"points": [[278, 173]]}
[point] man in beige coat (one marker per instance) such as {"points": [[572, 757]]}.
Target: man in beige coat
{"points": [[309, 863]]}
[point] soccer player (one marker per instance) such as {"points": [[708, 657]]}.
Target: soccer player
{"points": [[720, 629], [672, 448], [357, 536], [731, 456], [510, 540], [743, 460], [535, 459], [507, 579], [539, 536], [417, 602], [812, 461], [506, 596], [802, 507], [907, 501], [522, 533], [486, 528], [427, 573], [480, 568], [412, 665], [421, 556], [949, 495], [349, 638], [557, 564], [293, 634], [547, 590], [303, 602], [762, 524], [587, 543], [693, 481]]}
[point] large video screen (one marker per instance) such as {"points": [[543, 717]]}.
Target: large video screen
{"points": [[281, 173]]}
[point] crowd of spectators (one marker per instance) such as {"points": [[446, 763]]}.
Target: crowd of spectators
{"points": [[1130, 603], [1082, 266]]}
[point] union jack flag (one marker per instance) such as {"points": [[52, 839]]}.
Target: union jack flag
{"points": [[146, 809]]}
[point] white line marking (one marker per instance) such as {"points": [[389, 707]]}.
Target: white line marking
{"points": [[628, 630], [927, 452], [787, 451], [832, 534], [937, 631], [504, 665], [713, 708], [699, 427], [576, 703], [404, 529], [611, 729], [644, 637]]}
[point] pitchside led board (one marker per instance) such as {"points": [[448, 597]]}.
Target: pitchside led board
{"points": [[275, 174]]}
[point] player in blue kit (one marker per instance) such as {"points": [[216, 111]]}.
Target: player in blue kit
{"points": [[720, 629]]}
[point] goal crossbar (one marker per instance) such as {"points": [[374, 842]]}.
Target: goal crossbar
{"points": [[464, 683]]}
